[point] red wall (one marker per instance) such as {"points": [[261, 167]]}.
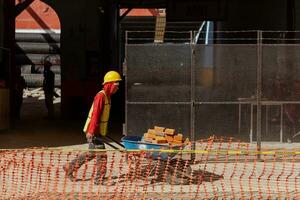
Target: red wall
{"points": [[41, 16], [38, 16]]}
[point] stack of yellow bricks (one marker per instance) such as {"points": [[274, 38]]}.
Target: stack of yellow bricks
{"points": [[161, 135]]}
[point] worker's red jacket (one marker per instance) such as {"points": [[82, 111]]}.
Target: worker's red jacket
{"points": [[99, 101]]}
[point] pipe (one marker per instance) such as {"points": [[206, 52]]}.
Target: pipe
{"points": [[37, 59], [38, 37], [38, 48]]}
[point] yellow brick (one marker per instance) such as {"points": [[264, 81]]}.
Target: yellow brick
{"points": [[169, 131], [176, 142], [158, 133], [146, 135], [150, 140], [169, 138], [158, 128], [178, 137], [150, 136], [160, 138], [161, 141], [151, 131]]}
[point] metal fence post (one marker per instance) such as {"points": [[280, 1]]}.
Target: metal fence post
{"points": [[259, 92], [193, 68], [125, 68]]}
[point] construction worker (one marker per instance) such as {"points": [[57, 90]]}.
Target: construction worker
{"points": [[95, 128], [20, 85], [48, 87]]}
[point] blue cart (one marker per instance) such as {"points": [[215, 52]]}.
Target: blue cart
{"points": [[167, 161], [136, 143]]}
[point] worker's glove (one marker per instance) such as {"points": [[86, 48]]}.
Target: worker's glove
{"points": [[89, 137]]}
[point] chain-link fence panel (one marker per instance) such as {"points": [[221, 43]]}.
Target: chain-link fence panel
{"points": [[158, 73], [281, 89], [225, 73], [281, 72], [141, 117], [158, 87], [216, 120], [225, 78]]}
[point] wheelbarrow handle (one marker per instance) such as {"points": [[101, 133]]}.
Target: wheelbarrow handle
{"points": [[117, 142], [114, 147], [106, 140]]}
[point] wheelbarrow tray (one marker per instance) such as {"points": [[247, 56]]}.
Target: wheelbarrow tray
{"points": [[136, 143]]}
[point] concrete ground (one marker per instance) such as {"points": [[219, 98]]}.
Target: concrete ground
{"points": [[33, 130], [33, 176]]}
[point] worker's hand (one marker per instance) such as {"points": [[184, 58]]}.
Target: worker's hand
{"points": [[89, 137]]}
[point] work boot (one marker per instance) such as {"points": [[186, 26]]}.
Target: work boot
{"points": [[69, 172], [104, 182]]}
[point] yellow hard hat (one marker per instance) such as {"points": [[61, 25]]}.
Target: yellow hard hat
{"points": [[111, 76]]}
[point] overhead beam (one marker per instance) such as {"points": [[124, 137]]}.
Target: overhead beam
{"points": [[142, 3], [21, 6], [124, 14]]}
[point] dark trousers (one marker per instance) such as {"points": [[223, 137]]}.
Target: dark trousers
{"points": [[49, 104], [101, 158], [18, 105]]}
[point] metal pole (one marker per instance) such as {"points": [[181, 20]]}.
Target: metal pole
{"points": [[267, 119], [198, 33], [251, 122], [193, 98], [125, 126], [281, 123], [259, 91], [240, 118]]}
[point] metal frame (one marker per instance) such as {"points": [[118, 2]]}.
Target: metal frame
{"points": [[259, 91], [257, 101]]}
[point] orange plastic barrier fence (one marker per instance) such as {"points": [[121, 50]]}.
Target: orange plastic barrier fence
{"points": [[222, 168]]}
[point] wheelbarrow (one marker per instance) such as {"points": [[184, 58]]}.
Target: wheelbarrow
{"points": [[175, 170]]}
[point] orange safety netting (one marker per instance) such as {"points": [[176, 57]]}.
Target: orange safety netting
{"points": [[223, 168]]}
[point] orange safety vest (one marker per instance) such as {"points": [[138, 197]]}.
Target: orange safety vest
{"points": [[103, 118]]}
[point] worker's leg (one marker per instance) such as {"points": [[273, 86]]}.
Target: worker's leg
{"points": [[101, 167], [18, 104], [77, 162], [49, 105], [101, 163]]}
